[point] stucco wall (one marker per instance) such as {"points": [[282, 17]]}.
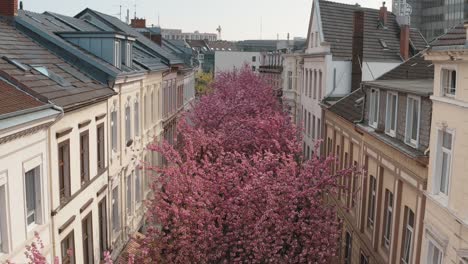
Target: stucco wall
{"points": [[230, 60]]}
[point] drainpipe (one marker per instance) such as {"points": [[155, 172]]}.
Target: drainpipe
{"points": [[363, 106], [62, 113]]}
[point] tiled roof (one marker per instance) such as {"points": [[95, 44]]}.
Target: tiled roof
{"points": [[350, 106], [223, 44], [337, 26], [118, 24], [13, 99], [70, 89], [414, 68], [454, 37]]}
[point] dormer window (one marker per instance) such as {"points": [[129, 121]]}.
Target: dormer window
{"points": [[117, 55], [449, 82], [52, 75], [413, 111], [374, 108], [128, 54], [383, 44]]}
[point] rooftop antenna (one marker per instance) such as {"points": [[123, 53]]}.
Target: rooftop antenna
{"points": [[219, 31], [127, 19], [135, 10], [120, 13], [159, 25]]}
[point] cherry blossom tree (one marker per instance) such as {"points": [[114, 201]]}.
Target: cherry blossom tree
{"points": [[236, 187]]}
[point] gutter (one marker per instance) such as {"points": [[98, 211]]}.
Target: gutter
{"points": [[27, 111], [363, 106]]}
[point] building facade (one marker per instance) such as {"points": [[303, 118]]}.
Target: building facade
{"points": [[383, 129], [445, 227], [24, 163], [177, 34], [346, 45]]}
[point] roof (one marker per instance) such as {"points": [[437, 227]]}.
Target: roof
{"points": [[13, 99], [223, 44], [65, 85], [454, 37], [415, 75], [337, 26], [350, 106], [120, 25]]}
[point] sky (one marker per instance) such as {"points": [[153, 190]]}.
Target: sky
{"points": [[239, 19]]}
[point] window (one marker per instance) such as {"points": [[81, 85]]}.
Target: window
{"points": [[117, 56], [449, 82], [434, 254], [371, 208], [412, 121], [3, 219], [348, 248], [115, 210], [138, 185], [33, 196], [137, 117], [128, 128], [100, 148], [313, 126], [254, 58], [68, 249], [84, 157], [254, 68], [64, 169], [364, 259], [52, 75], [315, 84], [316, 39], [114, 129], [129, 195], [290, 80], [308, 124], [374, 108], [128, 55], [102, 227], [391, 116], [319, 129], [87, 235], [388, 219], [443, 162], [408, 236], [320, 86], [311, 40], [153, 103]]}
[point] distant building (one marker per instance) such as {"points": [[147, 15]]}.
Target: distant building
{"points": [[177, 34], [231, 60], [433, 18]]}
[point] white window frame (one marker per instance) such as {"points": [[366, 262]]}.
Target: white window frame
{"points": [[408, 130], [115, 214], [128, 55], [389, 113], [114, 128], [374, 100], [136, 106], [117, 54], [128, 121], [445, 89], [436, 246], [38, 198], [408, 230], [388, 221], [4, 240], [372, 197], [438, 164]]}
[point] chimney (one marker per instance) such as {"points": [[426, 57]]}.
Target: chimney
{"points": [[8, 8], [138, 23], [404, 41], [383, 14], [358, 49]]}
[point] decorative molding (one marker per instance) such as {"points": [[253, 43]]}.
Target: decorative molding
{"points": [[83, 124], [63, 132], [66, 224], [99, 117], [86, 205], [101, 190]]}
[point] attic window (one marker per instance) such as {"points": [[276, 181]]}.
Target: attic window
{"points": [[384, 44], [52, 75], [18, 64]]}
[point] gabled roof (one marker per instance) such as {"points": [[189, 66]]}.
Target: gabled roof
{"points": [[65, 85], [119, 25], [349, 107], [454, 37], [416, 68], [337, 27]]}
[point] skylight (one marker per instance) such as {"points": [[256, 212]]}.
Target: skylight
{"points": [[52, 75], [18, 64], [383, 43]]}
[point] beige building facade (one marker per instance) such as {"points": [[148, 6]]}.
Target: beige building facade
{"points": [[446, 223]]}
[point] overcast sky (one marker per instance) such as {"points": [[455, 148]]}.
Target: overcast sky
{"points": [[239, 19]]}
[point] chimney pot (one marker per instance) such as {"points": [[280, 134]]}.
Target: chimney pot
{"points": [[8, 8], [383, 14]]}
